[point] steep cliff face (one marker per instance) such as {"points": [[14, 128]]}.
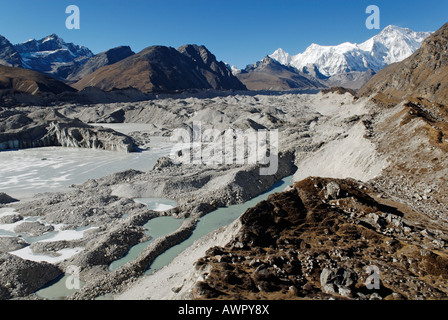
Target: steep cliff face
{"points": [[8, 55], [215, 72], [42, 128], [322, 238]]}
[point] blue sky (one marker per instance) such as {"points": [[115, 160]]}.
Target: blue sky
{"points": [[236, 31]]}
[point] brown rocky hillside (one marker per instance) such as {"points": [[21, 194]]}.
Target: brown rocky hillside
{"points": [[31, 82], [164, 69], [316, 240]]}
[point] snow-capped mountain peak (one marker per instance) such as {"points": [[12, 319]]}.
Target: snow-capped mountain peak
{"points": [[52, 43], [392, 44], [399, 43], [51, 53], [281, 56]]}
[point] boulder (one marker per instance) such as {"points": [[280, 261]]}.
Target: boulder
{"points": [[34, 228], [9, 219], [332, 190], [338, 280], [8, 244], [5, 199]]}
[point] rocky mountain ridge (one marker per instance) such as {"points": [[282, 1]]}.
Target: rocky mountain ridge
{"points": [[165, 69], [52, 56], [100, 60], [29, 82], [269, 74], [8, 54]]}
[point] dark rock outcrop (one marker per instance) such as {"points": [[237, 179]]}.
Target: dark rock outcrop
{"points": [[5, 199], [8, 55], [216, 73]]}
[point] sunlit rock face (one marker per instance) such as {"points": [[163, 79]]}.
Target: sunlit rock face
{"points": [[21, 130]]}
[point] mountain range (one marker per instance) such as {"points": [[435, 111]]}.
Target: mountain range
{"points": [[166, 69], [154, 69], [392, 44], [52, 56], [347, 65]]}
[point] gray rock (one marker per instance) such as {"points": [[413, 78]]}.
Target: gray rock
{"points": [[164, 162], [329, 288], [332, 190], [345, 292], [42, 128], [8, 244], [10, 219], [19, 277], [338, 280], [375, 296], [34, 228]]}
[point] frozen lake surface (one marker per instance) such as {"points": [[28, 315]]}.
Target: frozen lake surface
{"points": [[24, 173]]}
